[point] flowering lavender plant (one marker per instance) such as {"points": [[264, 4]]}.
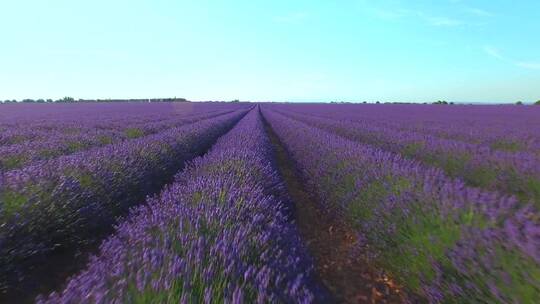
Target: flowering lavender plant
{"points": [[72, 200], [216, 235], [437, 236]]}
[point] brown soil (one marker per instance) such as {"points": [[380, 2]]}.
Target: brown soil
{"points": [[349, 278]]}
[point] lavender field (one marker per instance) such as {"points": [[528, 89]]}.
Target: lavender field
{"points": [[181, 202]]}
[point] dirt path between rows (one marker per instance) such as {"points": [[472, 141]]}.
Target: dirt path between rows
{"points": [[330, 242]]}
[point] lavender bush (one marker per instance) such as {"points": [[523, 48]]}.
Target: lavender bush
{"points": [[443, 199], [42, 141], [480, 166], [217, 235], [506, 128], [438, 237], [68, 201]]}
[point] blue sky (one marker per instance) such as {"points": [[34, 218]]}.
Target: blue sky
{"points": [[418, 50]]}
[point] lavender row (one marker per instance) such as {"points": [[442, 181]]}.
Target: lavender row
{"points": [[21, 128], [512, 173], [217, 235], [441, 239], [23, 123], [69, 201], [97, 114], [62, 143], [506, 128]]}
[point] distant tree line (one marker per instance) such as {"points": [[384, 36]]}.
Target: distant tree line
{"points": [[520, 103], [443, 102], [68, 99]]}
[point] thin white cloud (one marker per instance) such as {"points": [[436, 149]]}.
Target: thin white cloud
{"points": [[433, 20], [292, 18], [387, 14], [495, 53], [529, 65], [444, 21], [479, 12]]}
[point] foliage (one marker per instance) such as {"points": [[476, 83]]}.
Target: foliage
{"points": [[217, 234], [441, 238], [68, 201]]}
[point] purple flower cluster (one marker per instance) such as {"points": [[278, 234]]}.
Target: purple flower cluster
{"points": [[218, 234], [35, 122], [507, 128], [52, 138], [70, 200], [478, 165], [437, 236]]}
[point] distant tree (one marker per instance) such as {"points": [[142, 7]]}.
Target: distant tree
{"points": [[377, 102], [519, 103], [28, 100], [40, 100], [537, 103], [364, 101], [66, 99], [50, 100], [441, 102], [236, 100]]}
